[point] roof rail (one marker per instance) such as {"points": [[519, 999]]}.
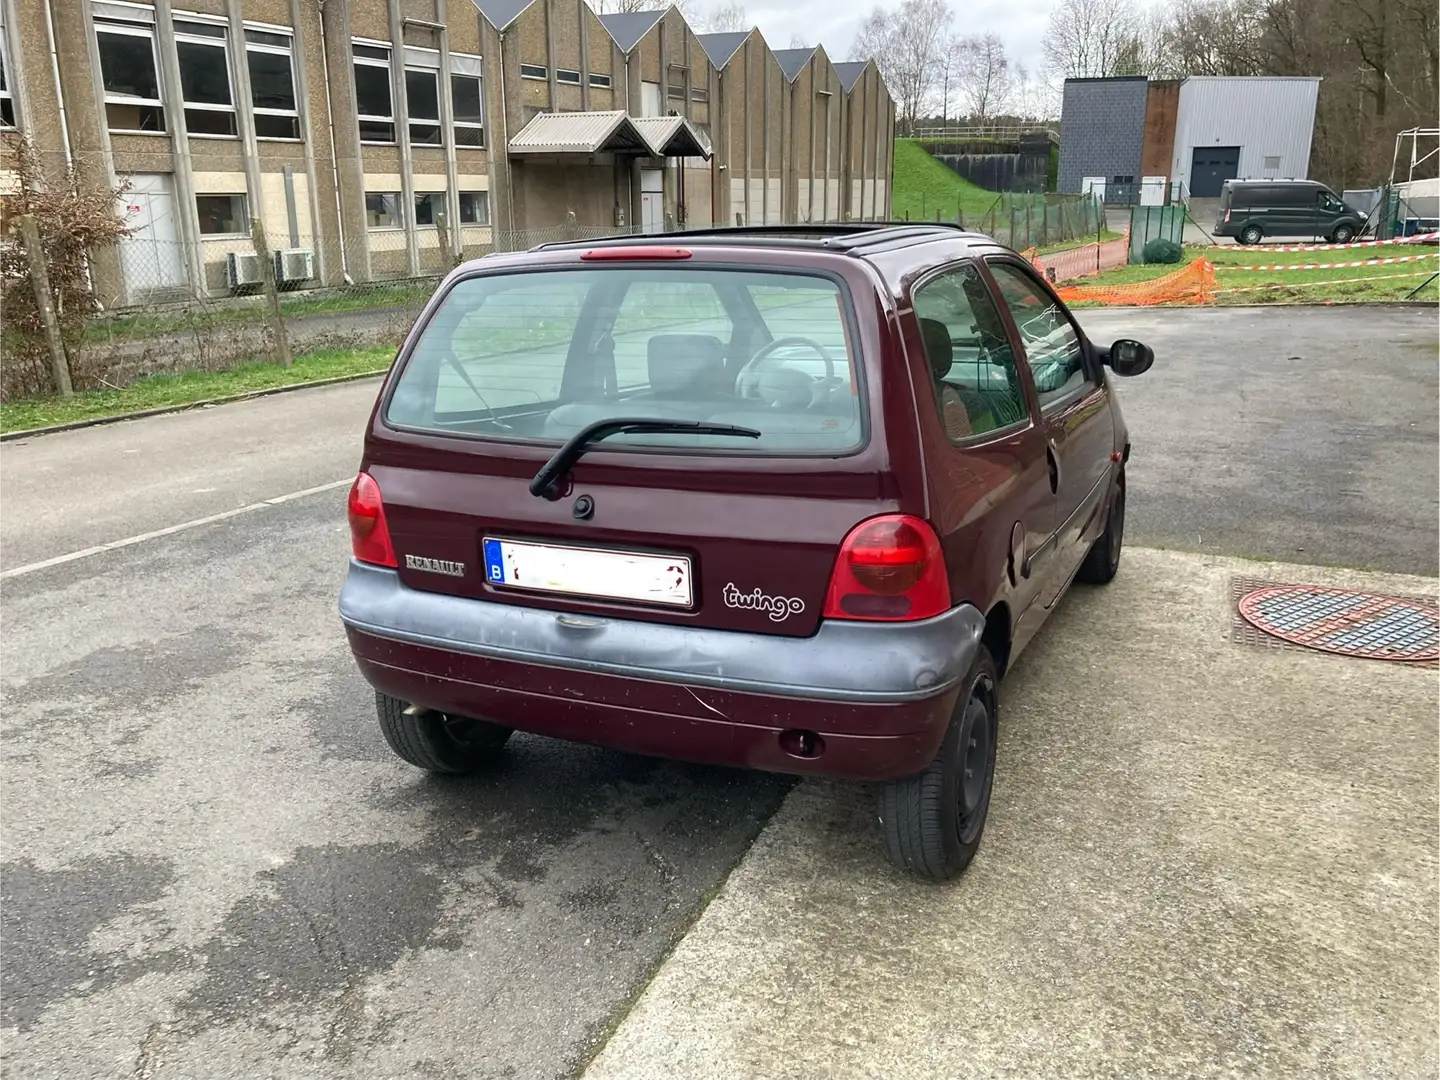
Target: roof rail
{"points": [[843, 236]]}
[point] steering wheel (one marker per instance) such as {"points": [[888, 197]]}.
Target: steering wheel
{"points": [[766, 354]]}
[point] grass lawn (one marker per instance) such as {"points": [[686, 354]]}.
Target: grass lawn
{"points": [[923, 185], [183, 388], [1362, 284]]}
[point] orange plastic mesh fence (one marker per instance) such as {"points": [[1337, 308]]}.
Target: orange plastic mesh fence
{"points": [[1194, 284]]}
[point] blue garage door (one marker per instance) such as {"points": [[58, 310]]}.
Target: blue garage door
{"points": [[1212, 166]]}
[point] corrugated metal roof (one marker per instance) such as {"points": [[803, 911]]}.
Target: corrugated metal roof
{"points": [[628, 27], [793, 61], [850, 72], [672, 136], [501, 13], [579, 133], [721, 47]]}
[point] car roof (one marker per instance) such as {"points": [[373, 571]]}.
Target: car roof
{"points": [[893, 248]]}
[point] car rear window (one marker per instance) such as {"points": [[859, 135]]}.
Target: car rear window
{"points": [[539, 355]]}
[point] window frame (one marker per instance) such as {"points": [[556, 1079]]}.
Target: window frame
{"points": [[7, 76], [443, 208], [220, 41], [388, 65], [601, 80], [562, 76], [424, 122], [535, 71], [1094, 377], [399, 201], [109, 97], [1027, 383], [467, 66], [483, 198], [244, 215], [269, 49]]}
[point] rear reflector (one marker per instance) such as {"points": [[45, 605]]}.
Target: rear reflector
{"points": [[889, 569], [633, 253], [369, 535]]}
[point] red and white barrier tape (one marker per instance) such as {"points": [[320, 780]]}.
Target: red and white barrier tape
{"points": [[1342, 281], [1420, 239], [1330, 265]]}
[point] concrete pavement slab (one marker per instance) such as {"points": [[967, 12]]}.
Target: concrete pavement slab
{"points": [[1203, 859]]}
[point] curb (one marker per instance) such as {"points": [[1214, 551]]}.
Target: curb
{"points": [[228, 399]]}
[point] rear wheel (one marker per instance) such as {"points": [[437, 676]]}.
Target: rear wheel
{"points": [[439, 742], [931, 823], [1251, 234], [1103, 561], [1343, 234]]}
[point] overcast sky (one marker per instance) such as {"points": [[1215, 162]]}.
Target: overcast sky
{"points": [[834, 23]]}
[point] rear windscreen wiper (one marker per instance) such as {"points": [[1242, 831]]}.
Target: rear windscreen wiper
{"points": [[576, 445]]}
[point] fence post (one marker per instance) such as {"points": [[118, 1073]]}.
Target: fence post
{"points": [[272, 293], [1029, 223], [40, 279]]}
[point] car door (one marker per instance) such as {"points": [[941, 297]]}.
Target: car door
{"points": [[993, 503], [1075, 415]]}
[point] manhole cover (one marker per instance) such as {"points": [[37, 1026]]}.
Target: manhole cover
{"points": [[1341, 621]]}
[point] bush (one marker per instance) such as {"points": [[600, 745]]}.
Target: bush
{"points": [[1161, 250]]}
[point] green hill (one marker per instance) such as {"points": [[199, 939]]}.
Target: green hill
{"points": [[923, 185]]}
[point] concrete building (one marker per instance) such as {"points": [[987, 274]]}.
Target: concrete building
{"points": [[1193, 133], [383, 139]]}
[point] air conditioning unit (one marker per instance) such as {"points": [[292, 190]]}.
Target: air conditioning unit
{"points": [[294, 264], [242, 268]]}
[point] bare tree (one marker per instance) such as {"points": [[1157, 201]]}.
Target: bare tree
{"points": [[612, 7], [1216, 37], [727, 18], [985, 77], [1092, 38], [909, 46], [797, 41]]}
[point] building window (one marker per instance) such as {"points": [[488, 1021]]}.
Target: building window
{"points": [[130, 77], [1272, 164], [699, 93], [222, 215], [677, 83], [430, 208], [422, 99], [534, 71], [566, 75], [272, 84], [373, 102], [602, 81], [7, 100], [474, 208], [382, 210], [205, 78]]}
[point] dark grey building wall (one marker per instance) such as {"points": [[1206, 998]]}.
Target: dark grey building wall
{"points": [[1102, 130]]}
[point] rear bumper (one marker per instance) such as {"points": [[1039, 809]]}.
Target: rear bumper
{"points": [[879, 695]]}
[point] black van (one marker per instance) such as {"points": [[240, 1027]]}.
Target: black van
{"points": [[1251, 210]]}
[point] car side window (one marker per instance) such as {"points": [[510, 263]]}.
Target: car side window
{"points": [[1053, 349], [977, 387], [1329, 201]]}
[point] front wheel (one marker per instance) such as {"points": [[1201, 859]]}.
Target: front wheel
{"points": [[1343, 234], [1251, 234], [439, 742], [1101, 564], [931, 823]]}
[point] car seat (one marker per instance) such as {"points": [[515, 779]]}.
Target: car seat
{"points": [[940, 351], [686, 367]]}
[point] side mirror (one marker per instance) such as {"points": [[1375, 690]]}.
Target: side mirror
{"points": [[1129, 357]]}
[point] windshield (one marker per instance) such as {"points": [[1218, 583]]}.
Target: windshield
{"points": [[542, 355]]}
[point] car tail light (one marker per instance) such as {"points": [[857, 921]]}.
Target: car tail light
{"points": [[369, 535], [889, 568], [644, 253], [1227, 215]]}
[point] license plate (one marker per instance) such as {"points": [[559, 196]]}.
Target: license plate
{"points": [[611, 575]]}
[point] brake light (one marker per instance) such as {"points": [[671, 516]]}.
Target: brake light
{"points": [[1227, 215], [369, 535], [632, 253], [890, 568]]}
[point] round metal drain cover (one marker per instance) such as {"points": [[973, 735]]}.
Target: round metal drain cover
{"points": [[1342, 621]]}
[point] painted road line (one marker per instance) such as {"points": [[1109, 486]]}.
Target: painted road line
{"points": [[1341, 281], [1331, 265], [169, 530]]}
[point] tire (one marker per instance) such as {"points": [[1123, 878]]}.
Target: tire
{"points": [[932, 823], [1251, 234], [439, 742], [1343, 234], [1103, 561]]}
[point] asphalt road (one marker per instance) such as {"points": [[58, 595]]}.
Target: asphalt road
{"points": [[213, 867]]}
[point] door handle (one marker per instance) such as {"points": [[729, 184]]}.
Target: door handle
{"points": [[1052, 461]]}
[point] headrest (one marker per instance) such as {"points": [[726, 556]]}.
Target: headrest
{"points": [[685, 362], [939, 349]]}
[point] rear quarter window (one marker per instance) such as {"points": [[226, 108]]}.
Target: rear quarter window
{"points": [[540, 355]]}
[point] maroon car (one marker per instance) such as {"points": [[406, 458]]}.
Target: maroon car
{"points": [[782, 498]]}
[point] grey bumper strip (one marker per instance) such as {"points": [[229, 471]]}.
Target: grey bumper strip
{"points": [[867, 662]]}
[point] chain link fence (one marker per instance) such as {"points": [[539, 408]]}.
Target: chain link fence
{"points": [[1021, 220]]}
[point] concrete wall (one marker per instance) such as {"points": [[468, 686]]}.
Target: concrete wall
{"points": [[1102, 130]]}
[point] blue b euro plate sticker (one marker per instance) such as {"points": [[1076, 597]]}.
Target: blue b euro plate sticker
{"points": [[494, 564]]}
